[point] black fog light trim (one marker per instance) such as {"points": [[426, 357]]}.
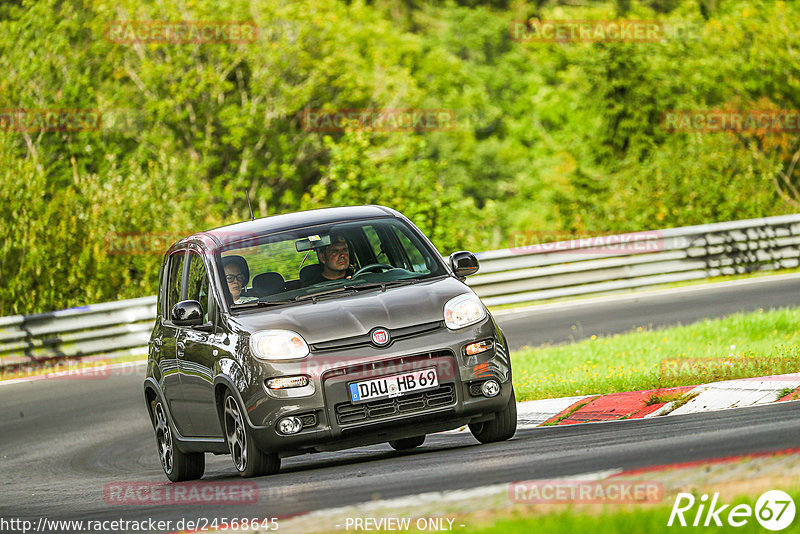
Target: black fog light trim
{"points": [[308, 420]]}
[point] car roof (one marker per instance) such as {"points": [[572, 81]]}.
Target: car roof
{"points": [[278, 223]]}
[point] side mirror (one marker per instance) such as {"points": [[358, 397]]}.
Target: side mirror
{"points": [[463, 263], [187, 313]]}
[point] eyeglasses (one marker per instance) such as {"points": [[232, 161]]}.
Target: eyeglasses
{"points": [[232, 277]]}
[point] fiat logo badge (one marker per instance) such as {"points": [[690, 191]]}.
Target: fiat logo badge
{"points": [[380, 336]]}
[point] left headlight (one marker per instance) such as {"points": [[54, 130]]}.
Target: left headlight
{"points": [[463, 310], [278, 345]]}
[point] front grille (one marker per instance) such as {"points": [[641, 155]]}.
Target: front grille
{"points": [[347, 413], [377, 368]]}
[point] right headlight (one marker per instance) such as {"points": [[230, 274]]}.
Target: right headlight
{"points": [[463, 310], [278, 345]]}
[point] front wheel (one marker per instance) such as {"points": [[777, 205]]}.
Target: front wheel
{"points": [[177, 465], [502, 427], [247, 458], [407, 443]]}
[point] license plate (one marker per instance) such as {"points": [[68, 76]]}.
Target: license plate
{"points": [[393, 386]]}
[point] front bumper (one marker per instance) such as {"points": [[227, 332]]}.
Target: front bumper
{"points": [[333, 422]]}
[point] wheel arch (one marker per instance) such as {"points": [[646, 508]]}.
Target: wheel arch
{"points": [[152, 391], [223, 384]]}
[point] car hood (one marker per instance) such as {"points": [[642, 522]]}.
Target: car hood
{"points": [[353, 315]]}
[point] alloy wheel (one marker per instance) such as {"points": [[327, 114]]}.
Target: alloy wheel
{"points": [[164, 438], [235, 434]]}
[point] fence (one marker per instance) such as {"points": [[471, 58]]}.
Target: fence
{"points": [[589, 266], [121, 329], [107, 331]]}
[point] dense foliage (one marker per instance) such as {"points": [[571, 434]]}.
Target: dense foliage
{"points": [[548, 137]]}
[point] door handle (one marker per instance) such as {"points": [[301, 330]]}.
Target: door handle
{"points": [[181, 345]]}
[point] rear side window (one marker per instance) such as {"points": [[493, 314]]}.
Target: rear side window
{"points": [[174, 279]]}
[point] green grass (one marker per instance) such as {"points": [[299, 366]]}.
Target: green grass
{"points": [[738, 346], [651, 520], [663, 398]]}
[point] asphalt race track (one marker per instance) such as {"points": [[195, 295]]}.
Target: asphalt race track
{"points": [[63, 440]]}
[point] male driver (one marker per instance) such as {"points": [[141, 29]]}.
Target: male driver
{"points": [[335, 261]]}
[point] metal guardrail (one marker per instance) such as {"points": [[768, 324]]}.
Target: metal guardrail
{"points": [[612, 263], [104, 332], [116, 330]]}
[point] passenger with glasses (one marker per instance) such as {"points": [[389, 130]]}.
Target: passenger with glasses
{"points": [[237, 274]]}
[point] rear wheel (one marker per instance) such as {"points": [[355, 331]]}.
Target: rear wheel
{"points": [[407, 443], [177, 465], [247, 458], [501, 428]]}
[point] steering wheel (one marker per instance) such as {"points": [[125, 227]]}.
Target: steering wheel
{"points": [[372, 267]]}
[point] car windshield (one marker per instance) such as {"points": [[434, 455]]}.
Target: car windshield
{"points": [[325, 261]]}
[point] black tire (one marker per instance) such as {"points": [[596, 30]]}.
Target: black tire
{"points": [[501, 428], [407, 443], [248, 460], [177, 465]]}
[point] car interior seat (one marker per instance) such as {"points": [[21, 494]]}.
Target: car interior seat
{"points": [[310, 274], [266, 284]]}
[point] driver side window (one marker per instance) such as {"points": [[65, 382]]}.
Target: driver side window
{"points": [[174, 279], [197, 283]]}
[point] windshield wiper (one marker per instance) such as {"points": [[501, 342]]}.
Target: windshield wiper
{"points": [[315, 296], [262, 303], [312, 296], [349, 288], [383, 285]]}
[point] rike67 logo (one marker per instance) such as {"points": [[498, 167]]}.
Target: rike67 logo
{"points": [[774, 510]]}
